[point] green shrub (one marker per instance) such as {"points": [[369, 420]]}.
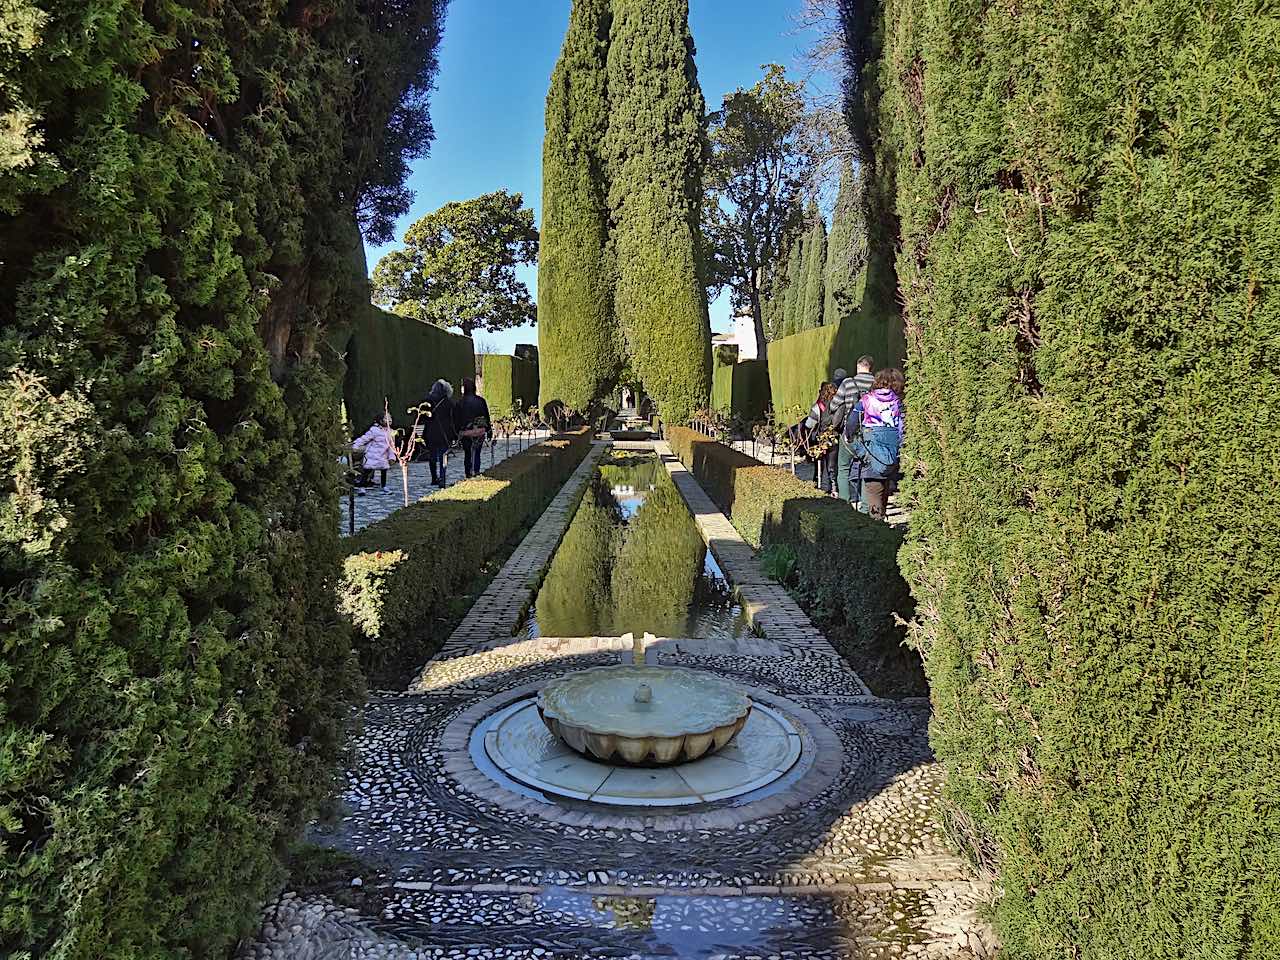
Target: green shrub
{"points": [[401, 571], [1088, 196], [847, 563], [798, 364], [177, 219], [581, 346], [508, 380], [394, 358], [741, 389]]}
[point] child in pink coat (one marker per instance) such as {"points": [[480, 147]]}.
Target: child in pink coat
{"points": [[379, 452]]}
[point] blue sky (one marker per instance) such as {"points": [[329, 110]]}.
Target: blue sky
{"points": [[496, 60]]}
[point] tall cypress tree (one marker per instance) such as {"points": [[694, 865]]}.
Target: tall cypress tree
{"points": [[654, 150], [815, 265], [794, 293], [578, 340], [846, 251]]}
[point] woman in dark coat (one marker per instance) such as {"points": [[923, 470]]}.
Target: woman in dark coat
{"points": [[439, 432], [471, 418]]}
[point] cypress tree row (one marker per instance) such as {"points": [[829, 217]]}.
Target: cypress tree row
{"points": [[178, 230], [846, 251], [793, 295], [580, 346], [654, 150], [815, 265], [1088, 197]]}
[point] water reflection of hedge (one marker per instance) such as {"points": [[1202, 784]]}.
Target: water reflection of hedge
{"points": [[610, 576], [575, 596], [661, 557]]}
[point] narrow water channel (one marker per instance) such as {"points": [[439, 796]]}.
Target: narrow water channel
{"points": [[632, 561]]}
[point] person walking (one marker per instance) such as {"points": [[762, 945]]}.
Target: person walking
{"points": [[848, 466], [474, 427], [379, 451], [439, 433], [819, 431], [879, 441]]}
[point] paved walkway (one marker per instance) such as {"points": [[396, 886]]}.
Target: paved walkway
{"points": [[805, 469], [372, 504], [846, 859]]}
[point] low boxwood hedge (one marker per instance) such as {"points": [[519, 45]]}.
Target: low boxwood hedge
{"points": [[399, 573], [846, 562]]}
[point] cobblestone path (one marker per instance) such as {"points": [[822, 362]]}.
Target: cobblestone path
{"points": [[847, 861]]}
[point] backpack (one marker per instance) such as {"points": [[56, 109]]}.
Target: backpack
{"points": [[852, 427]]}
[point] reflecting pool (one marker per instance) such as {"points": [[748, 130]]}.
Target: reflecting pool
{"points": [[632, 561]]}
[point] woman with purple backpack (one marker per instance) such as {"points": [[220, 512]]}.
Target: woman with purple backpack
{"points": [[879, 440]]}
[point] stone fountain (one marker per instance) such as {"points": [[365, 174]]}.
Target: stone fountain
{"points": [[644, 715]]}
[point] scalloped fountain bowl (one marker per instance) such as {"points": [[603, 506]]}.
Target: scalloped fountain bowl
{"points": [[644, 715]]}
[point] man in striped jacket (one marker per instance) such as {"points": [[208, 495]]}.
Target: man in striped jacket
{"points": [[844, 407]]}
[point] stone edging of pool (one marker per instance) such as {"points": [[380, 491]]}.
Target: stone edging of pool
{"points": [[496, 612], [767, 604], [820, 762]]}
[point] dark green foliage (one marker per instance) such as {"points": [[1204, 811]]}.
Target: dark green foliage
{"points": [[458, 266], [813, 268], [653, 154], [581, 345], [846, 251], [509, 384], [798, 364], [177, 237], [846, 563], [793, 290], [400, 572], [394, 360], [1088, 197], [741, 389]]}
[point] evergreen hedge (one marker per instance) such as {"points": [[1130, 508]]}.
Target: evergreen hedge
{"points": [[508, 380], [653, 152], [847, 562], [578, 335], [798, 364], [395, 359], [1088, 197], [741, 389], [179, 192], [400, 572]]}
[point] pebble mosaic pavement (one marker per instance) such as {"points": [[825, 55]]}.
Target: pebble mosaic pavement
{"points": [[856, 867]]}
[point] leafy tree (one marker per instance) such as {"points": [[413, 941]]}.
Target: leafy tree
{"points": [[579, 338], [814, 265], [758, 170], [653, 154], [846, 250], [458, 266]]}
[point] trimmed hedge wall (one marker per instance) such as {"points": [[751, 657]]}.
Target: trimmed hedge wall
{"points": [[741, 389], [1088, 196], [390, 356], [847, 562], [506, 380], [399, 572], [799, 363]]}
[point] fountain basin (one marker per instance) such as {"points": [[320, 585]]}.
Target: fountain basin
{"points": [[644, 715]]}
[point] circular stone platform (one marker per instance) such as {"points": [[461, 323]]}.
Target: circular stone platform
{"points": [[518, 743]]}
